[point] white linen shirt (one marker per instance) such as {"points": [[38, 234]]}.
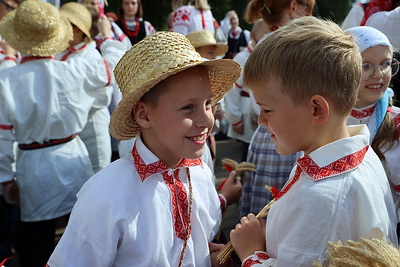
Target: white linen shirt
{"points": [[348, 205], [238, 107], [189, 19], [45, 99], [119, 220]]}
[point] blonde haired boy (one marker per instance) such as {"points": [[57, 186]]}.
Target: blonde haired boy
{"points": [[158, 205], [305, 79]]}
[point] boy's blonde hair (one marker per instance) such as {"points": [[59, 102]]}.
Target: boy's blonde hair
{"points": [[309, 57]]}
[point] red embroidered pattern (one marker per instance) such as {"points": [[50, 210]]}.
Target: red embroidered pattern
{"points": [[255, 259], [72, 50], [396, 121], [6, 127], [181, 16], [359, 114], [307, 165], [31, 58], [179, 196]]}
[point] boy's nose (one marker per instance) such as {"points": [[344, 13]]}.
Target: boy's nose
{"points": [[262, 121], [205, 118]]}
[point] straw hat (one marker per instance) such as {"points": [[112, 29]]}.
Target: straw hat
{"points": [[36, 28], [78, 15], [204, 38], [152, 60]]}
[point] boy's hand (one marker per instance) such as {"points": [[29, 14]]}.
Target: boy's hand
{"points": [[232, 189], [248, 236], [215, 249]]}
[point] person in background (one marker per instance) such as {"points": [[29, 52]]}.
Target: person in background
{"points": [[42, 110], [242, 121], [374, 105], [190, 16], [131, 21], [95, 134], [237, 37]]}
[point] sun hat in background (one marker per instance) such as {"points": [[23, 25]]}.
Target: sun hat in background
{"points": [[205, 38], [78, 15], [36, 28], [154, 59]]}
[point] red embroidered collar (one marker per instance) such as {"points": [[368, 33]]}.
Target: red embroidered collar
{"points": [[146, 170], [31, 58], [72, 50], [129, 32], [306, 164], [359, 114]]}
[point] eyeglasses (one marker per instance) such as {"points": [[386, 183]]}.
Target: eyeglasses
{"points": [[7, 5], [388, 69]]}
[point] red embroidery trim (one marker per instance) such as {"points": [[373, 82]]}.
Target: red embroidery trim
{"points": [[396, 188], [31, 58], [179, 197], [359, 114], [12, 58], [307, 165], [72, 50], [129, 32], [108, 72], [6, 127], [203, 20]]}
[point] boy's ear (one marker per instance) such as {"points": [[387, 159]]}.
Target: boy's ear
{"points": [[320, 109], [141, 114]]}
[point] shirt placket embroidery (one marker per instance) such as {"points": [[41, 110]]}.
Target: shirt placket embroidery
{"points": [[179, 203]]}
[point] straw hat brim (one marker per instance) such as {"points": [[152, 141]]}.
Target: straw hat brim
{"points": [[27, 44], [74, 20], [221, 50], [223, 74]]}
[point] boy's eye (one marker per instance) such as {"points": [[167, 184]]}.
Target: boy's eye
{"points": [[187, 107]]}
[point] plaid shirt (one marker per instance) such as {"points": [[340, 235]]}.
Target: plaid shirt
{"points": [[272, 170]]}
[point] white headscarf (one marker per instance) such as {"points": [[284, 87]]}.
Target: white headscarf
{"points": [[367, 37]]}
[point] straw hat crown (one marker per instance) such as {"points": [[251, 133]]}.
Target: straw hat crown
{"points": [[152, 60], [205, 38], [36, 28], [78, 15]]}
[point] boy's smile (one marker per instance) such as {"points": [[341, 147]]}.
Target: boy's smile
{"points": [[180, 122]]}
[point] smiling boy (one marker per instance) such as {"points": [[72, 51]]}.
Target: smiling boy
{"points": [[158, 205]]}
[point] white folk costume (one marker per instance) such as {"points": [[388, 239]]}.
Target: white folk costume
{"points": [[189, 19], [387, 22], [238, 104], [338, 192], [139, 210], [368, 115], [95, 134], [48, 103]]}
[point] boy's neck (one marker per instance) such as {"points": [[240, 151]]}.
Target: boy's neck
{"points": [[329, 132]]}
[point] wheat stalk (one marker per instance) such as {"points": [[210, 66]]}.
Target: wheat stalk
{"points": [[227, 251]]}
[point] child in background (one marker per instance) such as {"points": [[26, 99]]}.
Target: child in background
{"points": [[373, 106], [157, 206], [338, 190], [206, 45]]}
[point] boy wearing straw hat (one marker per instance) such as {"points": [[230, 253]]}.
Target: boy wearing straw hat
{"points": [[44, 103], [95, 134], [338, 189], [157, 206]]}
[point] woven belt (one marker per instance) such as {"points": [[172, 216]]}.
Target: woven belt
{"points": [[51, 142]]}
